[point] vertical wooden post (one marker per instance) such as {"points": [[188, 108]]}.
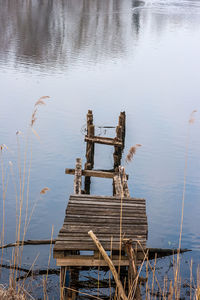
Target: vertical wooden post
{"points": [[132, 272], [74, 277], [78, 176], [124, 181], [118, 186], [122, 123], [89, 150], [121, 184], [117, 154], [118, 149], [62, 282]]}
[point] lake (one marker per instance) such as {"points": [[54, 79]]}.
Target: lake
{"points": [[141, 57]]}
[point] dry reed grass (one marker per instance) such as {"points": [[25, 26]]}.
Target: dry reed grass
{"points": [[21, 182], [132, 152], [11, 294]]}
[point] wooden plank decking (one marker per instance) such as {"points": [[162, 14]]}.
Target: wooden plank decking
{"points": [[101, 214]]}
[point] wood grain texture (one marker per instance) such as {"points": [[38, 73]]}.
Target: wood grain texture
{"points": [[101, 215], [104, 140]]}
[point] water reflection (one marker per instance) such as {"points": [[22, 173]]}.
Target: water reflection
{"points": [[46, 32], [59, 32]]}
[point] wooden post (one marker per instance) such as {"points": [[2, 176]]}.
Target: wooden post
{"points": [[121, 184], [124, 181], [122, 123], [78, 176], [118, 186], [133, 280], [118, 149], [110, 264], [89, 150], [74, 277], [62, 282], [117, 155]]}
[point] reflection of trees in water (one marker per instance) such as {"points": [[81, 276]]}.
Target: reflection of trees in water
{"points": [[58, 31], [50, 32]]}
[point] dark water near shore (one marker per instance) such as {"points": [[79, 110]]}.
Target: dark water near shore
{"points": [[108, 56]]}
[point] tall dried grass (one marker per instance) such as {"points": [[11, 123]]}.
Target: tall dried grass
{"points": [[21, 183]]}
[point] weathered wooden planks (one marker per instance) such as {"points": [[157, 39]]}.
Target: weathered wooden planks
{"points": [[89, 261], [102, 215]]}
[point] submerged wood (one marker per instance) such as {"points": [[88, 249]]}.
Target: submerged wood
{"points": [[28, 242], [162, 252], [30, 272], [110, 264], [151, 251]]}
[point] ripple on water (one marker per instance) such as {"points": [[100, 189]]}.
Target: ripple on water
{"points": [[172, 6]]}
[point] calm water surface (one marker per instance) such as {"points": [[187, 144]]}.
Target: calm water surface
{"points": [[108, 56]]}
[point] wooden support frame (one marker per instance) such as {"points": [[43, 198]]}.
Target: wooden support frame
{"points": [[89, 150]]}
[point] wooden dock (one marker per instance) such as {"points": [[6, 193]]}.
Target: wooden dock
{"points": [[101, 215], [114, 219]]}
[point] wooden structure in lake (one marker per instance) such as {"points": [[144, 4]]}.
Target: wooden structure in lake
{"points": [[112, 219]]}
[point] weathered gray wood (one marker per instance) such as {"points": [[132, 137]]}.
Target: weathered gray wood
{"points": [[140, 217], [107, 202], [93, 173], [134, 289], [89, 151], [118, 149], [124, 182], [122, 123], [115, 236], [77, 177], [76, 228], [102, 220], [118, 186], [103, 212], [116, 201], [91, 262], [85, 238], [102, 215], [104, 140], [106, 198], [28, 242], [74, 245]]}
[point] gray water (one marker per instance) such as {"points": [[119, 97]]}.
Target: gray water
{"points": [[108, 56]]}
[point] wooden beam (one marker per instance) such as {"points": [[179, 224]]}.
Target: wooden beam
{"points": [[104, 140], [84, 261], [93, 173]]}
